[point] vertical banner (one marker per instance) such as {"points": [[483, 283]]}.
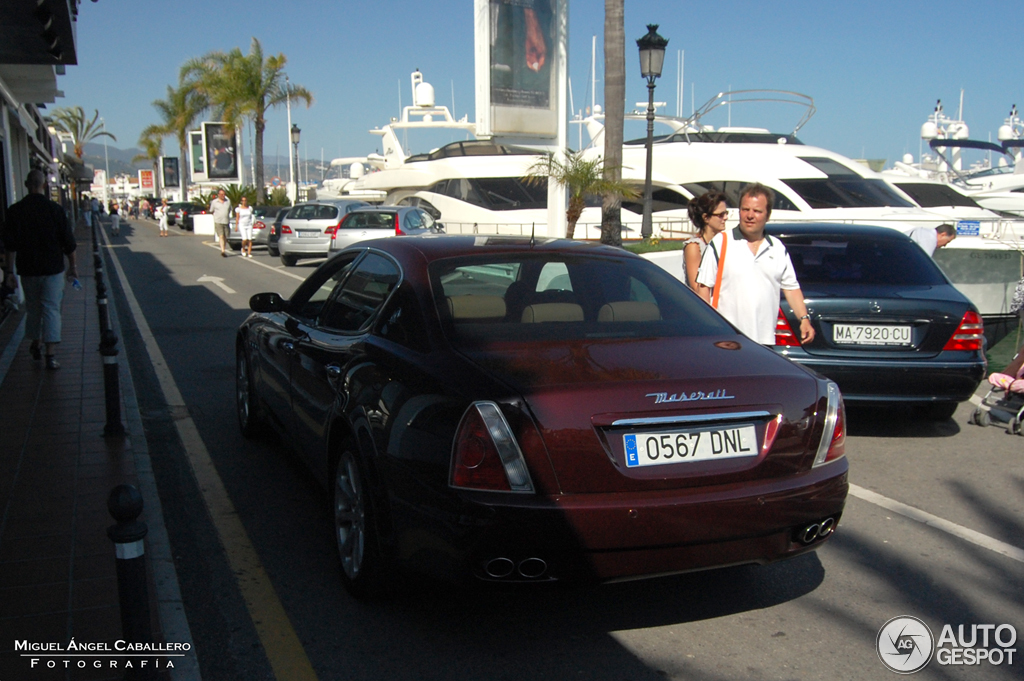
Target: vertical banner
{"points": [[197, 156], [221, 145], [146, 183], [169, 176], [519, 62], [99, 181]]}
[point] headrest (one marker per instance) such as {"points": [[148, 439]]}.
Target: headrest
{"points": [[628, 311], [476, 307], [552, 312]]}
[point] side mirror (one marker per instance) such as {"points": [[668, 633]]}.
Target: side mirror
{"points": [[438, 228], [267, 302]]}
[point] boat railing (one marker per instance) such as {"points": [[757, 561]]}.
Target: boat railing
{"points": [[672, 228]]}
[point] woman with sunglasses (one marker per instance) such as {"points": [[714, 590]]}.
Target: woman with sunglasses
{"points": [[708, 213]]}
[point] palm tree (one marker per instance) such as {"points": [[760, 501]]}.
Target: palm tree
{"points": [[614, 112], [582, 178], [179, 113], [72, 120], [241, 86]]}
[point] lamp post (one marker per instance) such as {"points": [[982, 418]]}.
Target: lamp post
{"points": [[652, 58], [106, 163], [295, 171]]}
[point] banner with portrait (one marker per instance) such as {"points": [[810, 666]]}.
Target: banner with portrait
{"points": [[146, 181], [221, 145], [520, 58], [169, 174]]}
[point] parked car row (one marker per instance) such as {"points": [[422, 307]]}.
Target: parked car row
{"points": [[515, 410]]}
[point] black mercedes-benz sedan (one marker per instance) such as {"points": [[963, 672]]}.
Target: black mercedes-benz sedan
{"points": [[890, 327]]}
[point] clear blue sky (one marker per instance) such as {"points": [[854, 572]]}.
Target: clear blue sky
{"points": [[874, 68]]}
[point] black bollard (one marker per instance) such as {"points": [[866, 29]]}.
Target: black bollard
{"points": [[101, 303], [111, 385], [125, 506]]}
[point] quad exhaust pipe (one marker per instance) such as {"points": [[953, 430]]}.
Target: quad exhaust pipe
{"points": [[816, 531], [504, 568]]}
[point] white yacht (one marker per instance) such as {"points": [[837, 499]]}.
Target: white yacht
{"points": [[818, 185]]}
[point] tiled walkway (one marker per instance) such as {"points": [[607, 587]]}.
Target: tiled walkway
{"points": [[57, 566]]}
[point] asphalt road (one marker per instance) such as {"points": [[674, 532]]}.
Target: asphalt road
{"points": [[815, 617]]}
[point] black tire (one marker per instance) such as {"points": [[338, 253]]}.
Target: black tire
{"points": [[940, 411], [288, 260], [364, 570], [273, 251], [235, 245], [250, 418]]}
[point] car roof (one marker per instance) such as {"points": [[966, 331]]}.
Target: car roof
{"points": [[443, 246], [384, 209], [834, 229]]}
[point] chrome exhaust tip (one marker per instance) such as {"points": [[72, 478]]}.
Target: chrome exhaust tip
{"points": [[826, 527], [810, 533], [499, 568], [532, 568]]}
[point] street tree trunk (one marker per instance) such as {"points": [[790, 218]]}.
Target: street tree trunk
{"points": [[614, 111], [260, 124]]}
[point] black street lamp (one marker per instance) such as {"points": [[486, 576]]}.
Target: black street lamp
{"points": [[295, 142], [652, 59]]}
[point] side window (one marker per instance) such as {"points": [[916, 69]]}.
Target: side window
{"points": [[554, 276], [428, 220], [309, 298], [361, 295], [402, 321], [638, 291], [413, 220]]}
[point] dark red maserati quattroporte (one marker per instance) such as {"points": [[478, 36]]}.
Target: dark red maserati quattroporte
{"points": [[532, 410]]}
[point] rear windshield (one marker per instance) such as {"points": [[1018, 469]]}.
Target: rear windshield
{"points": [[369, 220], [860, 260], [545, 297]]}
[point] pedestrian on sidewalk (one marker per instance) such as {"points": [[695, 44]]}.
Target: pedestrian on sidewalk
{"points": [[115, 221], [244, 220], [95, 206], [37, 237], [161, 216], [221, 209]]}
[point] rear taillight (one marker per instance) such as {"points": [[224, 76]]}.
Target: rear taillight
{"points": [[833, 435], [784, 332], [332, 230], [285, 229], [770, 431], [259, 225], [485, 455], [398, 227], [969, 335]]}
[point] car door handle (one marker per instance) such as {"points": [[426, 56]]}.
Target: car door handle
{"points": [[333, 371]]}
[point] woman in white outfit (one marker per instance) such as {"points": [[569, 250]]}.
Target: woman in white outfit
{"points": [[244, 220], [161, 215]]}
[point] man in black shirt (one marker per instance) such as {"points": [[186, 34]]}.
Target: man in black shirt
{"points": [[37, 237]]}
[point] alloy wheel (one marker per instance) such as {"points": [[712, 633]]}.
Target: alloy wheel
{"points": [[350, 516]]}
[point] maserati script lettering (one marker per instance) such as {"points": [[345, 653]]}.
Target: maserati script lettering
{"points": [[694, 396]]}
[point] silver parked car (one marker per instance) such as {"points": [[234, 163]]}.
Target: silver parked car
{"points": [[383, 221], [307, 229]]}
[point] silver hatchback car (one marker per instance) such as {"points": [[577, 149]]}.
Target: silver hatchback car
{"points": [[308, 228], [383, 221]]}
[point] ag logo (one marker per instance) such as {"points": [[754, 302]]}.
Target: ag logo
{"points": [[905, 644]]}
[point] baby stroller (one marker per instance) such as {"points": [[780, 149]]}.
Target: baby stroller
{"points": [[1004, 402]]}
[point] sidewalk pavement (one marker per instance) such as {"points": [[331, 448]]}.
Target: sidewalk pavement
{"points": [[58, 573]]}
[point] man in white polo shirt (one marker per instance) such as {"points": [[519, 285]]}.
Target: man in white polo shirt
{"points": [[757, 268]]}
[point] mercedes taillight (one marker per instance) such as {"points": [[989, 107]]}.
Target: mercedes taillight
{"points": [[784, 332], [969, 335]]}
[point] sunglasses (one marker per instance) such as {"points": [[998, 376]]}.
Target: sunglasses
{"points": [[724, 214]]}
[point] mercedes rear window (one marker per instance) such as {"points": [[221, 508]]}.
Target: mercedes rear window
{"points": [[843, 259], [559, 296]]}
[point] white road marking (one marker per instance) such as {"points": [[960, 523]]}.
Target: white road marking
{"points": [[250, 261], [982, 540], [216, 281], [281, 644]]}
